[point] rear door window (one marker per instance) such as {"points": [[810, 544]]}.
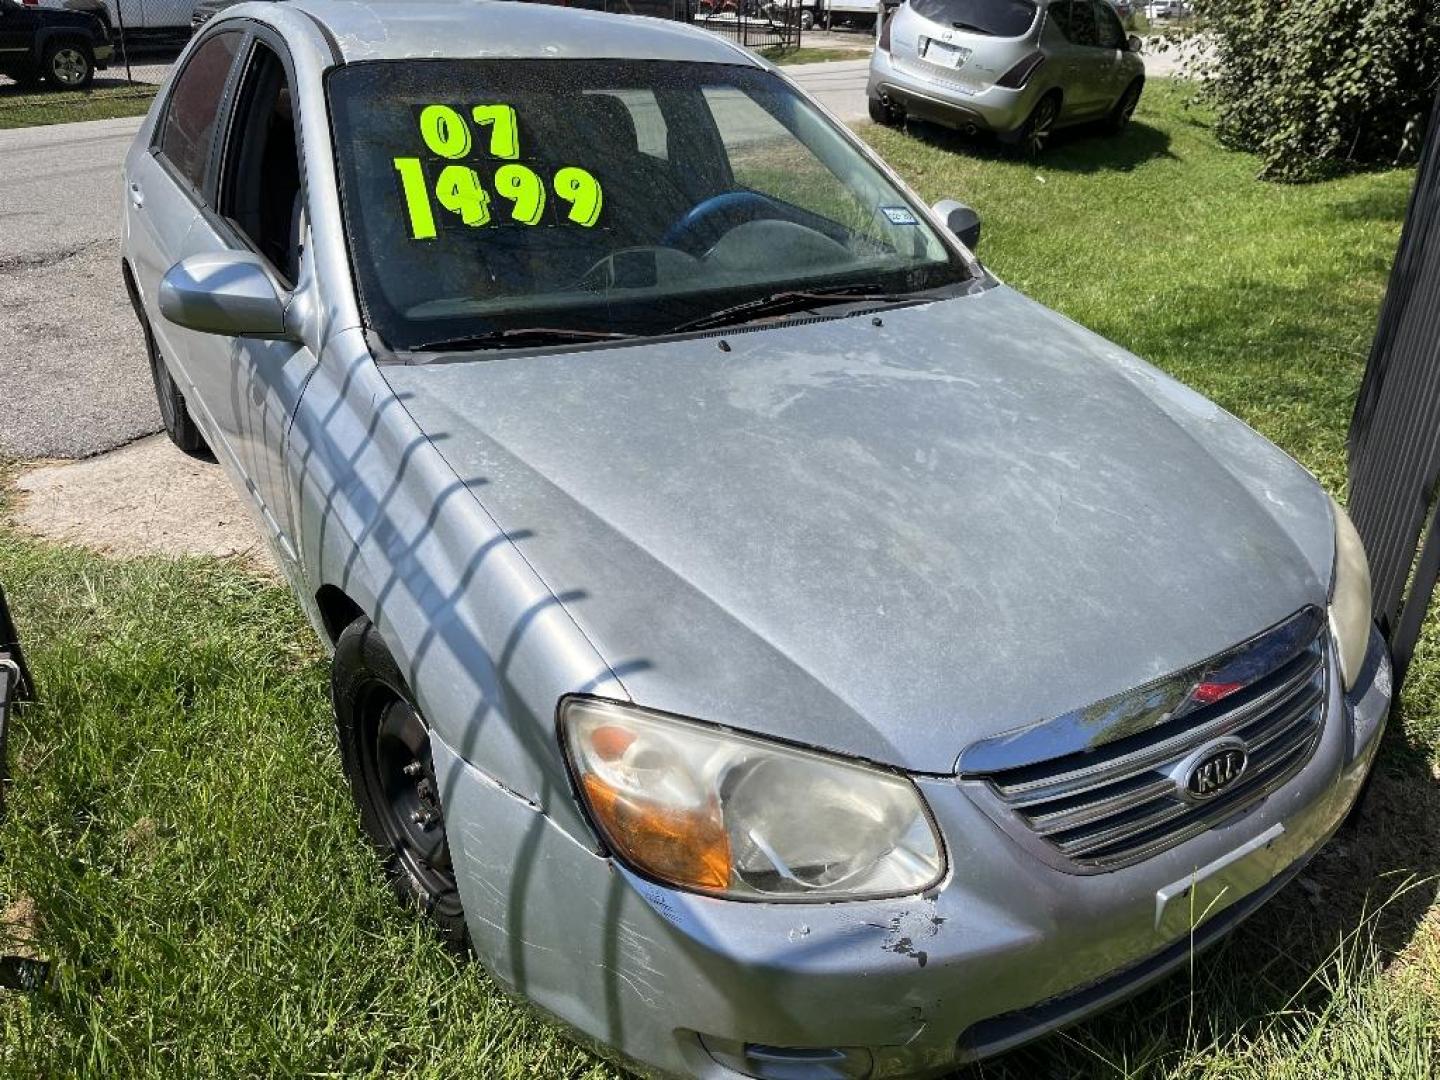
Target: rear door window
{"points": [[189, 125], [994, 18]]}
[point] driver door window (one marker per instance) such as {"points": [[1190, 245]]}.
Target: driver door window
{"points": [[260, 192]]}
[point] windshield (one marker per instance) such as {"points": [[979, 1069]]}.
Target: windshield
{"points": [[604, 197], [997, 18]]}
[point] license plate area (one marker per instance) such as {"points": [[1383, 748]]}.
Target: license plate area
{"points": [[943, 54], [1185, 904]]}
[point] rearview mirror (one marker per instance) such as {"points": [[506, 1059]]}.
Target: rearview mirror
{"points": [[960, 220], [226, 292], [1134, 44]]}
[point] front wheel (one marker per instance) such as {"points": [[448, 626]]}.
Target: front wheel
{"points": [[68, 65], [385, 751], [174, 412]]}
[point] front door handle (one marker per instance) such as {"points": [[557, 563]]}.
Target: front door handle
{"points": [[137, 197]]}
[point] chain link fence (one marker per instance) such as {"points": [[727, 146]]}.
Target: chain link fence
{"points": [[753, 23]]}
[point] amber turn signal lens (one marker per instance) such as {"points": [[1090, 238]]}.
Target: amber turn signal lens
{"points": [[680, 846]]}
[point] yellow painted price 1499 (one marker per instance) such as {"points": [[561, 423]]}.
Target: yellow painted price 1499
{"points": [[459, 189]]}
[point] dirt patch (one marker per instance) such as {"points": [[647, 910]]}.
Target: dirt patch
{"points": [[146, 498]]}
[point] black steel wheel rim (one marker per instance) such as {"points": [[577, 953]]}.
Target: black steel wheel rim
{"points": [[405, 793]]}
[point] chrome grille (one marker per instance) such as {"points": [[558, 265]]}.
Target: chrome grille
{"points": [[1123, 799]]}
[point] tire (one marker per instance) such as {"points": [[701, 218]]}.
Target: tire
{"points": [[1124, 109], [1034, 134], [68, 65], [882, 113], [174, 413], [807, 20], [385, 751]]}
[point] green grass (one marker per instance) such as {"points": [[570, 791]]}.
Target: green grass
{"points": [[23, 107], [804, 55], [179, 824]]}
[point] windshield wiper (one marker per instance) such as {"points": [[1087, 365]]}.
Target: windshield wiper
{"points": [[778, 303], [960, 25], [521, 336]]}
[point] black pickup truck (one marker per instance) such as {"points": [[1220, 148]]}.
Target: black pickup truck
{"points": [[62, 47]]}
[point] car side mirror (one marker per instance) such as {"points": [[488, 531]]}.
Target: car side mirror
{"points": [[226, 292], [961, 220], [1134, 44]]}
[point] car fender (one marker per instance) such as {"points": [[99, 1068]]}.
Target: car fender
{"points": [[486, 647], [47, 34]]}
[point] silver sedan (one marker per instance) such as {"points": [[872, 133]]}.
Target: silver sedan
{"points": [[1017, 68], [772, 644]]}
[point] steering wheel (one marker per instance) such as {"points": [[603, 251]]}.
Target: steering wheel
{"points": [[698, 229], [637, 268]]}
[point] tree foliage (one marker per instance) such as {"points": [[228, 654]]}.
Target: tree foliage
{"points": [[1317, 87]]}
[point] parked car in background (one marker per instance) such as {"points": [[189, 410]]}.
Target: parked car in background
{"points": [[776, 646], [143, 21], [1019, 69], [860, 14], [1167, 9], [62, 47]]}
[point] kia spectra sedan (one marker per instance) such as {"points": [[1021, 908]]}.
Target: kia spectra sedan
{"points": [[1018, 69], [773, 645]]}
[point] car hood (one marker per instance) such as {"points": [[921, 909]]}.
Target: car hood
{"points": [[883, 537]]}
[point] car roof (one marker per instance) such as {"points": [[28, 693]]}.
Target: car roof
{"points": [[412, 29]]}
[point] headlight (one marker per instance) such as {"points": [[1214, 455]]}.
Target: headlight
{"points": [[1350, 598], [728, 814]]}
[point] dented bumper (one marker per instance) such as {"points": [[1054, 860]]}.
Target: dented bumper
{"points": [[1005, 950]]}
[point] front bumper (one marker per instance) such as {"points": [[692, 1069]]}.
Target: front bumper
{"points": [[997, 110], [1006, 949]]}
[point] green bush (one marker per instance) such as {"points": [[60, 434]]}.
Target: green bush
{"points": [[1317, 87]]}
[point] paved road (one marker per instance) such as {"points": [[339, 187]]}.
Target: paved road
{"points": [[838, 85], [73, 379]]}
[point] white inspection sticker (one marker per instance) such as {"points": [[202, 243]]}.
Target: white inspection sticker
{"points": [[898, 215]]}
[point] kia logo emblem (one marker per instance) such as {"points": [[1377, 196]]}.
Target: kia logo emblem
{"points": [[1212, 770]]}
